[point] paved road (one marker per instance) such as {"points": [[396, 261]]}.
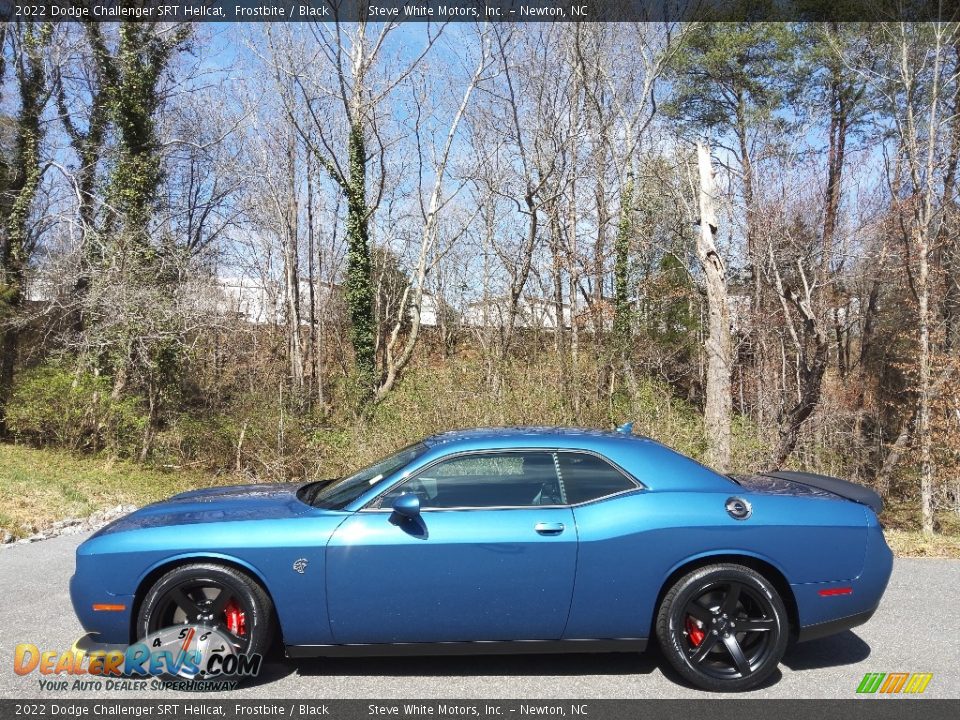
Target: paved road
{"points": [[916, 629]]}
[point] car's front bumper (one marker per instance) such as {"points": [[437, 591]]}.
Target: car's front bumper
{"points": [[108, 625]]}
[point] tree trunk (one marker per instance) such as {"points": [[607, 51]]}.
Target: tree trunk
{"points": [[88, 146], [950, 227], [291, 262], [746, 165], [621, 290], [314, 390], [556, 276], [811, 366], [411, 303], [923, 399], [518, 279], [811, 383], [835, 159], [719, 345]]}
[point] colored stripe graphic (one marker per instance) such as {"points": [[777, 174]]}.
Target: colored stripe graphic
{"points": [[894, 682], [870, 682], [918, 682]]}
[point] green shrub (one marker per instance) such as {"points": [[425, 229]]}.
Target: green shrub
{"points": [[52, 405]]}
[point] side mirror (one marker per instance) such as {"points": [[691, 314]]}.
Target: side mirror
{"points": [[407, 506]]}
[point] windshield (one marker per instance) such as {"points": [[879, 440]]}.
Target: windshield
{"points": [[340, 493]]}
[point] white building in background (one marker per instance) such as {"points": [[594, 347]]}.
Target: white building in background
{"points": [[252, 300], [262, 303], [532, 312], [429, 311]]}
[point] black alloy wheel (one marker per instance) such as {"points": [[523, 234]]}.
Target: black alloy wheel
{"points": [[214, 596], [723, 627]]}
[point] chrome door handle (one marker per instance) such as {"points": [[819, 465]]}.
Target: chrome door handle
{"points": [[545, 528]]}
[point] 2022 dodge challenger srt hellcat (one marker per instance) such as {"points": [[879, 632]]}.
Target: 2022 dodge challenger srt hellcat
{"points": [[503, 540]]}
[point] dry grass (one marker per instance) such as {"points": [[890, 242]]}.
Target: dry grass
{"points": [[912, 543], [39, 487], [901, 522]]}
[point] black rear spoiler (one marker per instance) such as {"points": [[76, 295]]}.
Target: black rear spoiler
{"points": [[843, 488]]}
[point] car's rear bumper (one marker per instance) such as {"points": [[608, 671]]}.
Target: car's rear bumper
{"points": [[832, 627], [827, 608]]}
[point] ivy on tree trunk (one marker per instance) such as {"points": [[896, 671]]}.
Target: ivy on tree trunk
{"points": [[148, 347], [359, 283]]}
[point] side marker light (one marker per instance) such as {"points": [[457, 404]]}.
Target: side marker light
{"points": [[830, 592]]}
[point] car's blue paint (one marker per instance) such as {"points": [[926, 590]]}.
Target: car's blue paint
{"points": [[456, 575], [630, 546], [868, 586], [85, 590], [120, 562], [487, 574]]}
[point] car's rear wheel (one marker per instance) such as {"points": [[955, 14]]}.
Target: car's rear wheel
{"points": [[211, 595], [723, 627]]}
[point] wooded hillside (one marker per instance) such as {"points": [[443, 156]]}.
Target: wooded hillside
{"points": [[281, 250]]}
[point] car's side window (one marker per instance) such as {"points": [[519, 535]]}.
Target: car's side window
{"points": [[586, 477], [506, 479]]}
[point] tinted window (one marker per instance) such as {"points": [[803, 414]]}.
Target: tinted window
{"points": [[587, 477], [518, 479]]}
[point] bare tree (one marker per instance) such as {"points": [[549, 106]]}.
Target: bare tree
{"points": [[342, 78], [915, 85], [396, 357], [810, 345], [719, 347]]}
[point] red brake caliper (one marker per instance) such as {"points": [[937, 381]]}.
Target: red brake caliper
{"points": [[236, 621], [694, 632]]}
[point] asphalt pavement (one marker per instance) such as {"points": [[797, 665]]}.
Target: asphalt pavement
{"points": [[916, 629]]}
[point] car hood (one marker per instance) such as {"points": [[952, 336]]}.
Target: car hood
{"points": [[217, 504]]}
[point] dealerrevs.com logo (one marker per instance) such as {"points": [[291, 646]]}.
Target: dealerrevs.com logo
{"points": [[894, 683], [184, 657]]}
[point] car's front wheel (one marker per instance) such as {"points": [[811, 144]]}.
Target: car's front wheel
{"points": [[723, 627], [214, 596]]}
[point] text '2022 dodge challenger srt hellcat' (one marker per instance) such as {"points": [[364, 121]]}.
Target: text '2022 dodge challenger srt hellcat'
{"points": [[498, 541]]}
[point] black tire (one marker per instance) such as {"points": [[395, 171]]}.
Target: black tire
{"points": [[723, 627], [192, 582]]}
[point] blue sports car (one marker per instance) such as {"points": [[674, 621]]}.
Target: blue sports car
{"points": [[503, 540]]}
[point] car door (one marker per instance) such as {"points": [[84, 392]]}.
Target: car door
{"points": [[491, 556]]}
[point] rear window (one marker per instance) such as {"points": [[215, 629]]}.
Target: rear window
{"points": [[587, 477]]}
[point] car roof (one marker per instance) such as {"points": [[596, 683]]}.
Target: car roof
{"points": [[520, 433]]}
